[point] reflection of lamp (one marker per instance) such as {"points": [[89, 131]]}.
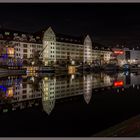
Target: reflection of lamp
{"points": [[118, 83], [72, 62], [134, 60], [71, 69], [33, 62]]}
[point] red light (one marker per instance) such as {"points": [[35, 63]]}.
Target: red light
{"points": [[118, 83], [119, 52]]}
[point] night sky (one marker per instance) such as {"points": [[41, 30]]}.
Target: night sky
{"points": [[99, 20]]}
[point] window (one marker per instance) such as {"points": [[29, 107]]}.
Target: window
{"points": [[24, 91], [25, 56], [24, 86], [24, 96], [7, 33], [17, 44], [37, 37], [25, 45], [33, 45], [25, 50]]}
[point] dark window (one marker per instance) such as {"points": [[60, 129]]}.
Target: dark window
{"points": [[128, 79], [25, 56], [127, 55], [24, 85], [24, 96], [25, 50], [24, 91], [25, 45]]}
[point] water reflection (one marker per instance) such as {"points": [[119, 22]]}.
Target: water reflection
{"points": [[20, 92], [48, 93]]}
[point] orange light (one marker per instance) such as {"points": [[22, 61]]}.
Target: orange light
{"points": [[71, 69], [119, 52], [118, 83], [9, 92], [10, 51]]}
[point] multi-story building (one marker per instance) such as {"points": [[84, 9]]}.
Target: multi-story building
{"points": [[127, 55], [24, 44], [55, 48], [60, 48]]}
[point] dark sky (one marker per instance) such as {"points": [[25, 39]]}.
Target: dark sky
{"points": [[99, 20]]}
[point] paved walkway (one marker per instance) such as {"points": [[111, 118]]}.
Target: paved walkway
{"points": [[128, 128]]}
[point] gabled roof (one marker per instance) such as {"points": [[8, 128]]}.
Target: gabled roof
{"points": [[62, 37], [99, 46]]}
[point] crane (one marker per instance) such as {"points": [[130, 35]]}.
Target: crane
{"points": [[36, 56]]}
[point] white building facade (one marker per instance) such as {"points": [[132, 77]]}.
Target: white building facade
{"points": [[60, 48], [54, 48]]}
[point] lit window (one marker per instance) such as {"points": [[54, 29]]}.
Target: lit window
{"points": [[7, 33]]}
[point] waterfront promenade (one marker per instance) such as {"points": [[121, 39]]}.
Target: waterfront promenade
{"points": [[128, 128]]}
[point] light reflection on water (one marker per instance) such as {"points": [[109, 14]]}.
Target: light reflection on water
{"points": [[19, 92]]}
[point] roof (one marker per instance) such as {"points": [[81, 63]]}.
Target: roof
{"points": [[10, 35], [98, 46], [62, 37], [69, 39]]}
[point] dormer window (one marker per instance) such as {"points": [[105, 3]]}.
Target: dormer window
{"points": [[15, 34], [37, 37], [7, 33]]}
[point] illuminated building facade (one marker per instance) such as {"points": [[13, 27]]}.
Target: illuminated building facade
{"points": [[18, 46], [87, 50], [64, 49], [55, 48], [127, 56]]}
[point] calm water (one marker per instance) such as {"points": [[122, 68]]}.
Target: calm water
{"points": [[66, 105]]}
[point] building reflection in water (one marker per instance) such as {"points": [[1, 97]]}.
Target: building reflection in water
{"points": [[48, 94], [23, 92], [87, 84], [66, 86]]}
